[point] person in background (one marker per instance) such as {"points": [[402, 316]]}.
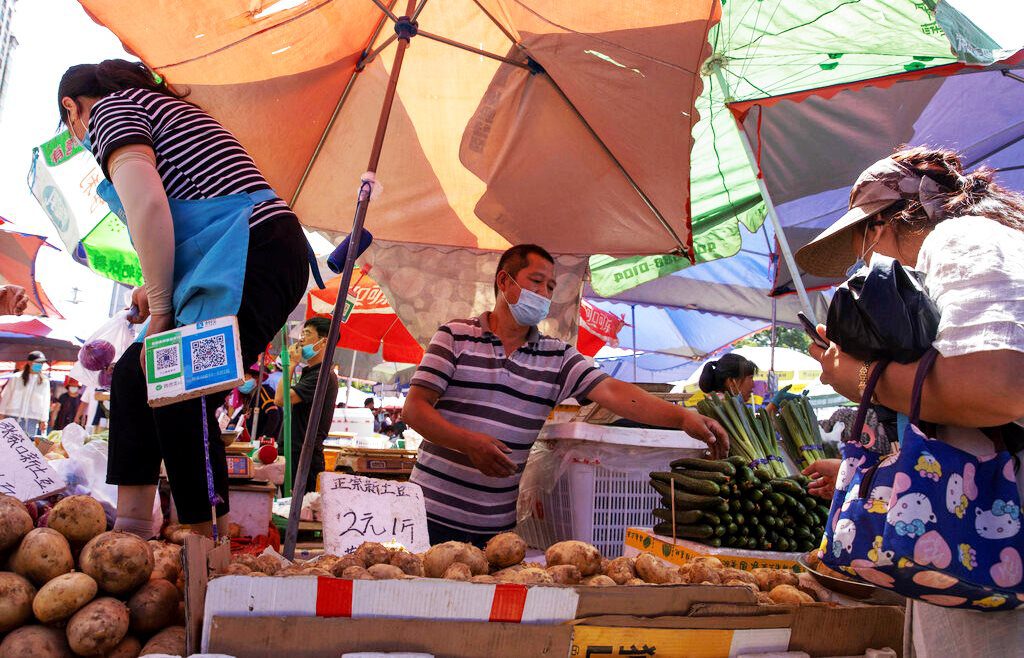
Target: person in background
{"points": [[733, 374], [309, 351], [13, 300], [251, 399], [26, 398], [68, 405], [484, 389], [965, 234]]}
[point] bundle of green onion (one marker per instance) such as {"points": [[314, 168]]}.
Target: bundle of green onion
{"points": [[751, 435], [798, 427]]}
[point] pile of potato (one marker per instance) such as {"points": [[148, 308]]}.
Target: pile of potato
{"points": [[74, 589], [567, 563]]}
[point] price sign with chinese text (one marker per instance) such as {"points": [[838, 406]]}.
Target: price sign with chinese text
{"points": [[358, 509], [24, 472]]}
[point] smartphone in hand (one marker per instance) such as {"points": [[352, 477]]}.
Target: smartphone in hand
{"points": [[812, 331]]}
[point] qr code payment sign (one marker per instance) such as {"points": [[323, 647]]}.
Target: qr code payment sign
{"points": [[167, 361], [209, 353]]}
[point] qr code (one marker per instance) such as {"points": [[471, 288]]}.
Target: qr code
{"points": [[166, 361], [208, 353]]}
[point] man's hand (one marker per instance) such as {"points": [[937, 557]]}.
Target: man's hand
{"points": [[489, 455], [13, 300], [140, 300], [295, 354], [823, 474], [707, 430]]}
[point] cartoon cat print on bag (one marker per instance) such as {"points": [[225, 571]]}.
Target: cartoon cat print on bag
{"points": [[877, 555], [928, 467], [847, 470], [910, 514], [878, 500], [842, 538], [1001, 522]]}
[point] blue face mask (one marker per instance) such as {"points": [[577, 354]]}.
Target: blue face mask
{"points": [[308, 352], [37, 367], [531, 309], [87, 142], [247, 387]]}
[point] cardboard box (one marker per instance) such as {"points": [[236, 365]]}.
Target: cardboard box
{"points": [[681, 551]]}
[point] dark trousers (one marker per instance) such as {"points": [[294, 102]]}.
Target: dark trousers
{"points": [[276, 275], [442, 533]]}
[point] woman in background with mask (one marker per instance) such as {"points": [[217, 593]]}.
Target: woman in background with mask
{"points": [[250, 399], [26, 398], [732, 374], [66, 409]]}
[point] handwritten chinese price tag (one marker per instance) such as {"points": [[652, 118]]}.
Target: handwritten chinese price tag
{"points": [[24, 472], [359, 509]]}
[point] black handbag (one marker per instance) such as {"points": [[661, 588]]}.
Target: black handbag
{"points": [[883, 312]]}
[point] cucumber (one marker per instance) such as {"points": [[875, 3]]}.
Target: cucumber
{"points": [[691, 485], [685, 499], [737, 461], [740, 520], [682, 516], [713, 476], [759, 531], [732, 529], [725, 518], [719, 466], [755, 495], [790, 501], [685, 531], [787, 486], [735, 506], [744, 474], [748, 506], [763, 474], [720, 530], [776, 499]]}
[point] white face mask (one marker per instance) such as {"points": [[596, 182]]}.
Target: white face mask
{"points": [[531, 309], [864, 250], [72, 389]]}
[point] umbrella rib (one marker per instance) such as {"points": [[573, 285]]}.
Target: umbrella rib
{"points": [[386, 9], [477, 51], [337, 108], [636, 187], [496, 22]]}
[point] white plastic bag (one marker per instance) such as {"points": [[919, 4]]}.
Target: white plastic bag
{"points": [[118, 332]]}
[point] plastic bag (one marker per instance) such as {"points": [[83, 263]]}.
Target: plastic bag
{"points": [[85, 471], [118, 332]]}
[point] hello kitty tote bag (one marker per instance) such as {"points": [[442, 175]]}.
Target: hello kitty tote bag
{"points": [[931, 522]]}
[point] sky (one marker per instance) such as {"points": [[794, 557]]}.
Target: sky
{"points": [[52, 35]]}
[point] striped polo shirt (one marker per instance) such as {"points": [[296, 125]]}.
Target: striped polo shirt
{"points": [[505, 396]]}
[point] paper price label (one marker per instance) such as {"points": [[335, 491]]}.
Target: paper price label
{"points": [[358, 509], [24, 472]]}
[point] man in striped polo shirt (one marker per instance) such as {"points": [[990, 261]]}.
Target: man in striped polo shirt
{"points": [[484, 389]]}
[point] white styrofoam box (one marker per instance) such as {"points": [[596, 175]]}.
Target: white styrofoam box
{"points": [[251, 510], [375, 654], [245, 596], [591, 482]]}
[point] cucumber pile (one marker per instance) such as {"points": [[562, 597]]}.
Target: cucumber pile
{"points": [[726, 503]]}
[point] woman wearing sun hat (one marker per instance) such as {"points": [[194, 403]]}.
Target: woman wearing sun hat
{"points": [[26, 398], [966, 235]]}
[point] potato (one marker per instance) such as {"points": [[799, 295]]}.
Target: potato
{"points": [[789, 594], [35, 642], [635, 581], [653, 570], [293, 570], [531, 576], [410, 563], [742, 583], [458, 571], [621, 569], [763, 598], [78, 518], [710, 562], [98, 627], [600, 580], [315, 571], [250, 561], [581, 555], [269, 564], [235, 569], [129, 647], [437, 560], [769, 579], [325, 562], [64, 596], [486, 579], [153, 607], [385, 572], [565, 574], [15, 522], [234, 530], [16, 595], [166, 560], [42, 555], [119, 562], [728, 574], [170, 641], [698, 573], [505, 549], [372, 553], [508, 571], [356, 572]]}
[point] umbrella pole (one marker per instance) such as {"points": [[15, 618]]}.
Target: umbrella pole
{"points": [[632, 309], [286, 412], [405, 29]]}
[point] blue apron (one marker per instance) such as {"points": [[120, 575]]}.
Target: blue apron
{"points": [[211, 246]]}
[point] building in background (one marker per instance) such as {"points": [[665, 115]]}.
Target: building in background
{"points": [[7, 45]]}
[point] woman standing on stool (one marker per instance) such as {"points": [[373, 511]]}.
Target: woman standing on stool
{"points": [[176, 171]]}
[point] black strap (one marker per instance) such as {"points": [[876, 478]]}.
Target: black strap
{"points": [[923, 368], [865, 401]]}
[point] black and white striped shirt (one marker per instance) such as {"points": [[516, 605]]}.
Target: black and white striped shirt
{"points": [[508, 398], [196, 157]]}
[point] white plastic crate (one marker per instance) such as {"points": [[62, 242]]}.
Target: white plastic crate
{"points": [[603, 487]]}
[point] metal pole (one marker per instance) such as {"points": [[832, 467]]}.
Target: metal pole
{"points": [[258, 391], [632, 309], [286, 413], [780, 235], [319, 396]]}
